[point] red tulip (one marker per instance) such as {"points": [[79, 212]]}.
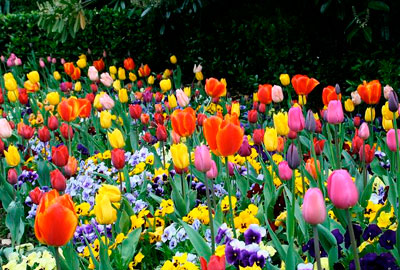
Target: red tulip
{"points": [[59, 155], [58, 180], [184, 121], [215, 263], [129, 64], [144, 71], [71, 167], [329, 93], [369, 153], [318, 146], [118, 158], [52, 122], [44, 134], [12, 176], [215, 88], [161, 133], [252, 116], [258, 136], [35, 195], [265, 93], [25, 131], [200, 119], [66, 131], [370, 92], [303, 85], [99, 64], [23, 96], [356, 143], [135, 111]]}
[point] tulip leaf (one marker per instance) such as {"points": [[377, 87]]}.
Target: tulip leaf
{"points": [[328, 241], [104, 256], [177, 77], [179, 202], [290, 262], [377, 168], [366, 193], [297, 212], [129, 247], [199, 244], [123, 223], [6, 193], [275, 240], [43, 170], [15, 213], [71, 260]]}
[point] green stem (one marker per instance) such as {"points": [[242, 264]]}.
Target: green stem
{"points": [[397, 158], [57, 257], [163, 152], [301, 164], [292, 229], [183, 186], [229, 197], [364, 167], [316, 248], [69, 140], [353, 240], [210, 214], [314, 156], [337, 144]]}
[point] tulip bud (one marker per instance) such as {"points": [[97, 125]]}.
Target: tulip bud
{"points": [[393, 102], [292, 135], [231, 168], [277, 94], [296, 119], [252, 116], [135, 111], [66, 131], [245, 148], [5, 129], [52, 122], [363, 132], [386, 91], [202, 158], [335, 112], [200, 119], [314, 210], [310, 122], [159, 96], [175, 137], [262, 108], [161, 133], [44, 134], [35, 195], [12, 176], [59, 155], [71, 167], [258, 136], [213, 171], [337, 89], [391, 139], [356, 121], [293, 157], [118, 158], [341, 189], [58, 180], [285, 172]]}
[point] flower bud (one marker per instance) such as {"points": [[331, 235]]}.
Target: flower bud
{"points": [[393, 102], [293, 157], [314, 210], [44, 134], [363, 132], [202, 158], [58, 180], [161, 133], [341, 189], [71, 167], [118, 158], [391, 139], [66, 131], [36, 195], [213, 171], [337, 89], [252, 116], [310, 122], [52, 122], [12, 176], [245, 148], [285, 172]]}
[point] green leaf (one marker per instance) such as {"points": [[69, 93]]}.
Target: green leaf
{"points": [[379, 5], [71, 257], [129, 246], [275, 240], [199, 244], [179, 202], [366, 193], [15, 213], [367, 33], [290, 262], [43, 169], [123, 223]]}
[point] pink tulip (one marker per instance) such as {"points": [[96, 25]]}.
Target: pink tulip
{"points": [[314, 210], [386, 91], [41, 63], [341, 189], [2, 58], [296, 120], [49, 59], [182, 98], [93, 74], [202, 158], [18, 61], [5, 129], [285, 173], [10, 62], [391, 139], [53, 60], [213, 172], [106, 79], [106, 102], [363, 132], [277, 94], [62, 61], [335, 112]]}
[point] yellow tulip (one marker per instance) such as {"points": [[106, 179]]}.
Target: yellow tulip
{"points": [[349, 105], [255, 97], [78, 86], [113, 192], [113, 77], [132, 76], [166, 73], [150, 79], [386, 113], [165, 85], [117, 85], [53, 98], [56, 75], [33, 77], [81, 63], [281, 123], [180, 156], [123, 95], [96, 102], [11, 84], [235, 108], [187, 91], [199, 76], [368, 112], [33, 87], [104, 211], [121, 74], [271, 139], [13, 95], [172, 101], [173, 59], [105, 119], [285, 79], [82, 56], [387, 124], [113, 70], [12, 156], [116, 139]]}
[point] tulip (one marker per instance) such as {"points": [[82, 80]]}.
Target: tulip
{"points": [[35, 195], [258, 136], [58, 181], [363, 132], [165, 85], [223, 136], [285, 172], [387, 113], [349, 105], [147, 96], [335, 112], [387, 124], [386, 91], [356, 121], [121, 74], [66, 131], [215, 88], [281, 123], [12, 156], [341, 189], [23, 96], [105, 119], [277, 94], [329, 93], [183, 99], [393, 102], [296, 120], [215, 263], [356, 143], [106, 79], [81, 63], [271, 139], [129, 64], [159, 118], [245, 148], [262, 108], [252, 116], [314, 210], [369, 153], [5, 129], [44, 134], [76, 74], [53, 98], [12, 176], [356, 98], [285, 79], [106, 101], [293, 157], [56, 220], [25, 131], [184, 122], [213, 171], [172, 101], [391, 139], [41, 63], [68, 109], [104, 211], [161, 133], [202, 159], [144, 71], [111, 191], [265, 93], [52, 122], [173, 59], [311, 124], [71, 167], [59, 155], [369, 114], [158, 96], [144, 118], [93, 74], [123, 95], [370, 92], [303, 85], [118, 158], [135, 111], [116, 139], [180, 156], [311, 169]]}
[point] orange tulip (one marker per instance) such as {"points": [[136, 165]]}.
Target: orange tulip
{"points": [[310, 167], [99, 64], [144, 71], [69, 68], [223, 136], [68, 109], [184, 121], [129, 64], [328, 94], [85, 107], [281, 144], [303, 85], [215, 88], [370, 92], [265, 93], [76, 74], [56, 220]]}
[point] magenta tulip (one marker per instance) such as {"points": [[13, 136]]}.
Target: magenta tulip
{"points": [[202, 158], [341, 189], [296, 120], [391, 139], [314, 210], [285, 173], [335, 112]]}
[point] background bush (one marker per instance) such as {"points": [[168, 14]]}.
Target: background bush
{"points": [[248, 42]]}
